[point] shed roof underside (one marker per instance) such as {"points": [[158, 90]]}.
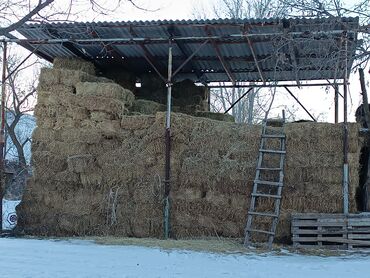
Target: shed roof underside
{"points": [[238, 50]]}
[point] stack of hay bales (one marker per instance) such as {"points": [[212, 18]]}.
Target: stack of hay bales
{"points": [[216, 169], [186, 96], [98, 170]]}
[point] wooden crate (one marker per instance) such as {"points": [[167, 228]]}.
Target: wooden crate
{"points": [[359, 230], [335, 231]]}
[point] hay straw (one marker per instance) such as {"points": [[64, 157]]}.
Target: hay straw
{"points": [[106, 90], [80, 163], [86, 146], [74, 64]]}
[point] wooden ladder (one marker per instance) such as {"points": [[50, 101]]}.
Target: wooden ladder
{"points": [[273, 187]]}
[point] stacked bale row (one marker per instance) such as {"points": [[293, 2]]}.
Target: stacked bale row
{"points": [[216, 169], [78, 121], [99, 170]]}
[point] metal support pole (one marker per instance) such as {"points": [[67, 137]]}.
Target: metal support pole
{"points": [[2, 131], [336, 102], [345, 134], [239, 99], [167, 185], [304, 108]]}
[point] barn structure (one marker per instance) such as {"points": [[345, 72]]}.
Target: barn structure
{"points": [[113, 158]]}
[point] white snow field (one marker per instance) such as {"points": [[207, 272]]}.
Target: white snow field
{"points": [[83, 258]]}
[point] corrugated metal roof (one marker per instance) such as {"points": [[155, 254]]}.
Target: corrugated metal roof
{"points": [[283, 49]]}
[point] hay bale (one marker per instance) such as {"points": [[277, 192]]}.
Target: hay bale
{"points": [[106, 90], [100, 116], [92, 178], [137, 122], [74, 64], [98, 152], [102, 104], [49, 77], [80, 163], [44, 91], [147, 107], [215, 116]]}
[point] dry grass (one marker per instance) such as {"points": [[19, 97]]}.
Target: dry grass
{"points": [[202, 245]]}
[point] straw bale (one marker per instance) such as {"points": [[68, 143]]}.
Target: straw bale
{"points": [[74, 64], [66, 149], [80, 163], [107, 127], [58, 111], [49, 161], [106, 90], [49, 76], [100, 116], [92, 178], [81, 135], [137, 122], [215, 116], [212, 172], [147, 107], [53, 89], [102, 104], [47, 111], [44, 135]]}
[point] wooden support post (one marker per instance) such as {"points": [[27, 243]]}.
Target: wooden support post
{"points": [[336, 102], [167, 184], [365, 101]]}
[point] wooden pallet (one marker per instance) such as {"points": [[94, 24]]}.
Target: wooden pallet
{"points": [[334, 231]]}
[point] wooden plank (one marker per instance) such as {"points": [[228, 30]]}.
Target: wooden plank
{"points": [[317, 215], [331, 230], [313, 247], [359, 236], [348, 241], [327, 239], [318, 232], [316, 224], [359, 230], [359, 222], [359, 215]]}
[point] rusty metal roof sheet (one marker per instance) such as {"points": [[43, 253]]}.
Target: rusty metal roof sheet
{"points": [[251, 50]]}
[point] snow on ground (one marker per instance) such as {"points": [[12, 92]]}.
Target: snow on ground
{"points": [[81, 258]]}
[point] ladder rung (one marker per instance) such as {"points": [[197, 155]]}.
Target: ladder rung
{"points": [[263, 214], [274, 183], [269, 169], [272, 151], [260, 231], [281, 136], [266, 195]]}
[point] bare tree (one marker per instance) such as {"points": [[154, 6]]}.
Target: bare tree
{"points": [[251, 108], [337, 8], [21, 99], [15, 13], [10, 10]]}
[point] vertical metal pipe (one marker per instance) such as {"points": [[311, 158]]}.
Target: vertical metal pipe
{"points": [[167, 184], [336, 102], [2, 131], [345, 135]]}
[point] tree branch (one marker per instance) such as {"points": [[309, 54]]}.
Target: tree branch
{"points": [[41, 5]]}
